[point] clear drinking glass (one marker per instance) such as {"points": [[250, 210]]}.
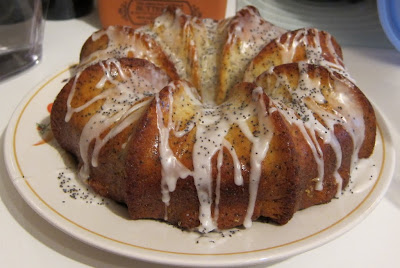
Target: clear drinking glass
{"points": [[21, 35]]}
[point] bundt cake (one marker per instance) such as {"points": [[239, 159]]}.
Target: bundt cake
{"points": [[213, 124]]}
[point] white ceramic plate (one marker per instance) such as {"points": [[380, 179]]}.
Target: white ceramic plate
{"points": [[45, 177]]}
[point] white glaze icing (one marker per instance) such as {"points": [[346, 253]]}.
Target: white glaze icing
{"points": [[123, 42], [212, 125], [120, 102], [248, 33], [307, 102], [205, 39], [310, 39], [313, 49], [260, 145]]}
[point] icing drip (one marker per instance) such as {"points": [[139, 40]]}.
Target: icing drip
{"points": [[306, 103], [172, 169], [170, 39], [313, 49], [296, 112], [121, 101], [247, 34], [351, 115], [125, 121], [220, 160], [212, 124], [117, 45], [124, 42], [259, 150], [208, 141]]}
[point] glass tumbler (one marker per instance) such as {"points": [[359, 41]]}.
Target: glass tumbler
{"points": [[21, 35]]}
